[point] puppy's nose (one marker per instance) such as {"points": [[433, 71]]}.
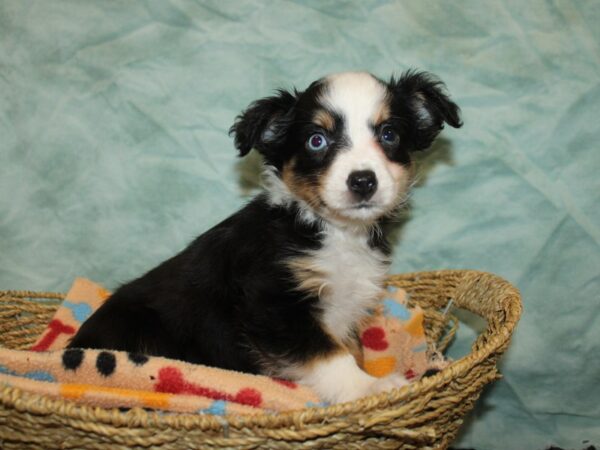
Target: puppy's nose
{"points": [[363, 183]]}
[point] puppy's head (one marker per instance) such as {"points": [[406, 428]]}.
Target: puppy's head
{"points": [[343, 145]]}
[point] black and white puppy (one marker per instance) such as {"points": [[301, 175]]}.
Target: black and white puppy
{"points": [[279, 287]]}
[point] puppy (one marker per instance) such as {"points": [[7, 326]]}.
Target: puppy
{"points": [[279, 287]]}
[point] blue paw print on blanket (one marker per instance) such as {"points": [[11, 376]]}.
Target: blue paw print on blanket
{"points": [[80, 311], [218, 407], [395, 309]]}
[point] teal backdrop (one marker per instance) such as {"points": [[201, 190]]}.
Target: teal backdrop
{"points": [[114, 154]]}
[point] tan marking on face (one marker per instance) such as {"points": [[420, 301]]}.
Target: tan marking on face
{"points": [[382, 114], [399, 172], [301, 188], [324, 119]]}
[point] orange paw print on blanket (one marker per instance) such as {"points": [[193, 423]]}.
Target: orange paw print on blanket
{"points": [[380, 367]]}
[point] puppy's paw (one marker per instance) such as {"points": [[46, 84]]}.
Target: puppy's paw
{"points": [[388, 383], [338, 379]]}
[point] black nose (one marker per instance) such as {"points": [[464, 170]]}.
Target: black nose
{"points": [[363, 183]]}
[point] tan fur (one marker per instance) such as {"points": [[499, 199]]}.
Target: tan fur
{"points": [[308, 276], [325, 120], [382, 114], [311, 363], [355, 349], [311, 279], [309, 192]]}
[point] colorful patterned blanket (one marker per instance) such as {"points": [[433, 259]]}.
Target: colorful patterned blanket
{"points": [[392, 338]]}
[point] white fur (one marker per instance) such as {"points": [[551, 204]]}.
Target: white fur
{"points": [[359, 97], [354, 273], [277, 191], [339, 379], [278, 194]]}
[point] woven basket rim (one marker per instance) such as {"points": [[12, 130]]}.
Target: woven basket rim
{"points": [[511, 310]]}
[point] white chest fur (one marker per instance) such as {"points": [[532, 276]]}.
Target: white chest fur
{"points": [[352, 274]]}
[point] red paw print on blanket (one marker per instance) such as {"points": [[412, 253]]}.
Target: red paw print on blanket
{"points": [[170, 380]]}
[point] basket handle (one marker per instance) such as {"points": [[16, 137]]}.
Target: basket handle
{"points": [[492, 298]]}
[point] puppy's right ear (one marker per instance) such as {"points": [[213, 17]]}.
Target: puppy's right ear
{"points": [[264, 123], [420, 99]]}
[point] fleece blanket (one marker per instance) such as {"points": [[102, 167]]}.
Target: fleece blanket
{"points": [[392, 339]]}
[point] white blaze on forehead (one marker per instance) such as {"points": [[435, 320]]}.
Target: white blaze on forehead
{"points": [[359, 97]]}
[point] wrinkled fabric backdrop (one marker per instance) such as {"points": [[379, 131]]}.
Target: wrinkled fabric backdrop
{"points": [[114, 154]]}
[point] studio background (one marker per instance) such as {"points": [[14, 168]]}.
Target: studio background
{"points": [[114, 155]]}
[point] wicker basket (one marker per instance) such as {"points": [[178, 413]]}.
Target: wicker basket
{"points": [[426, 414]]}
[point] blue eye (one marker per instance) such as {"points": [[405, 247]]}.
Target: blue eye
{"points": [[317, 142], [388, 135]]}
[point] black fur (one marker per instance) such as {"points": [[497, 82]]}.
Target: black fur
{"points": [[225, 301], [264, 124], [419, 90]]}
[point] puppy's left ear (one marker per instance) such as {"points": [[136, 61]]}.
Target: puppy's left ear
{"points": [[264, 123], [420, 99]]}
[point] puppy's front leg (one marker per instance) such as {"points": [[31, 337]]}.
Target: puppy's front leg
{"points": [[337, 378]]}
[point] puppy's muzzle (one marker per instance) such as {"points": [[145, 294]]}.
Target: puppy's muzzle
{"points": [[362, 184]]}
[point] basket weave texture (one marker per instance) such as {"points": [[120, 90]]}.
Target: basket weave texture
{"points": [[424, 415]]}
